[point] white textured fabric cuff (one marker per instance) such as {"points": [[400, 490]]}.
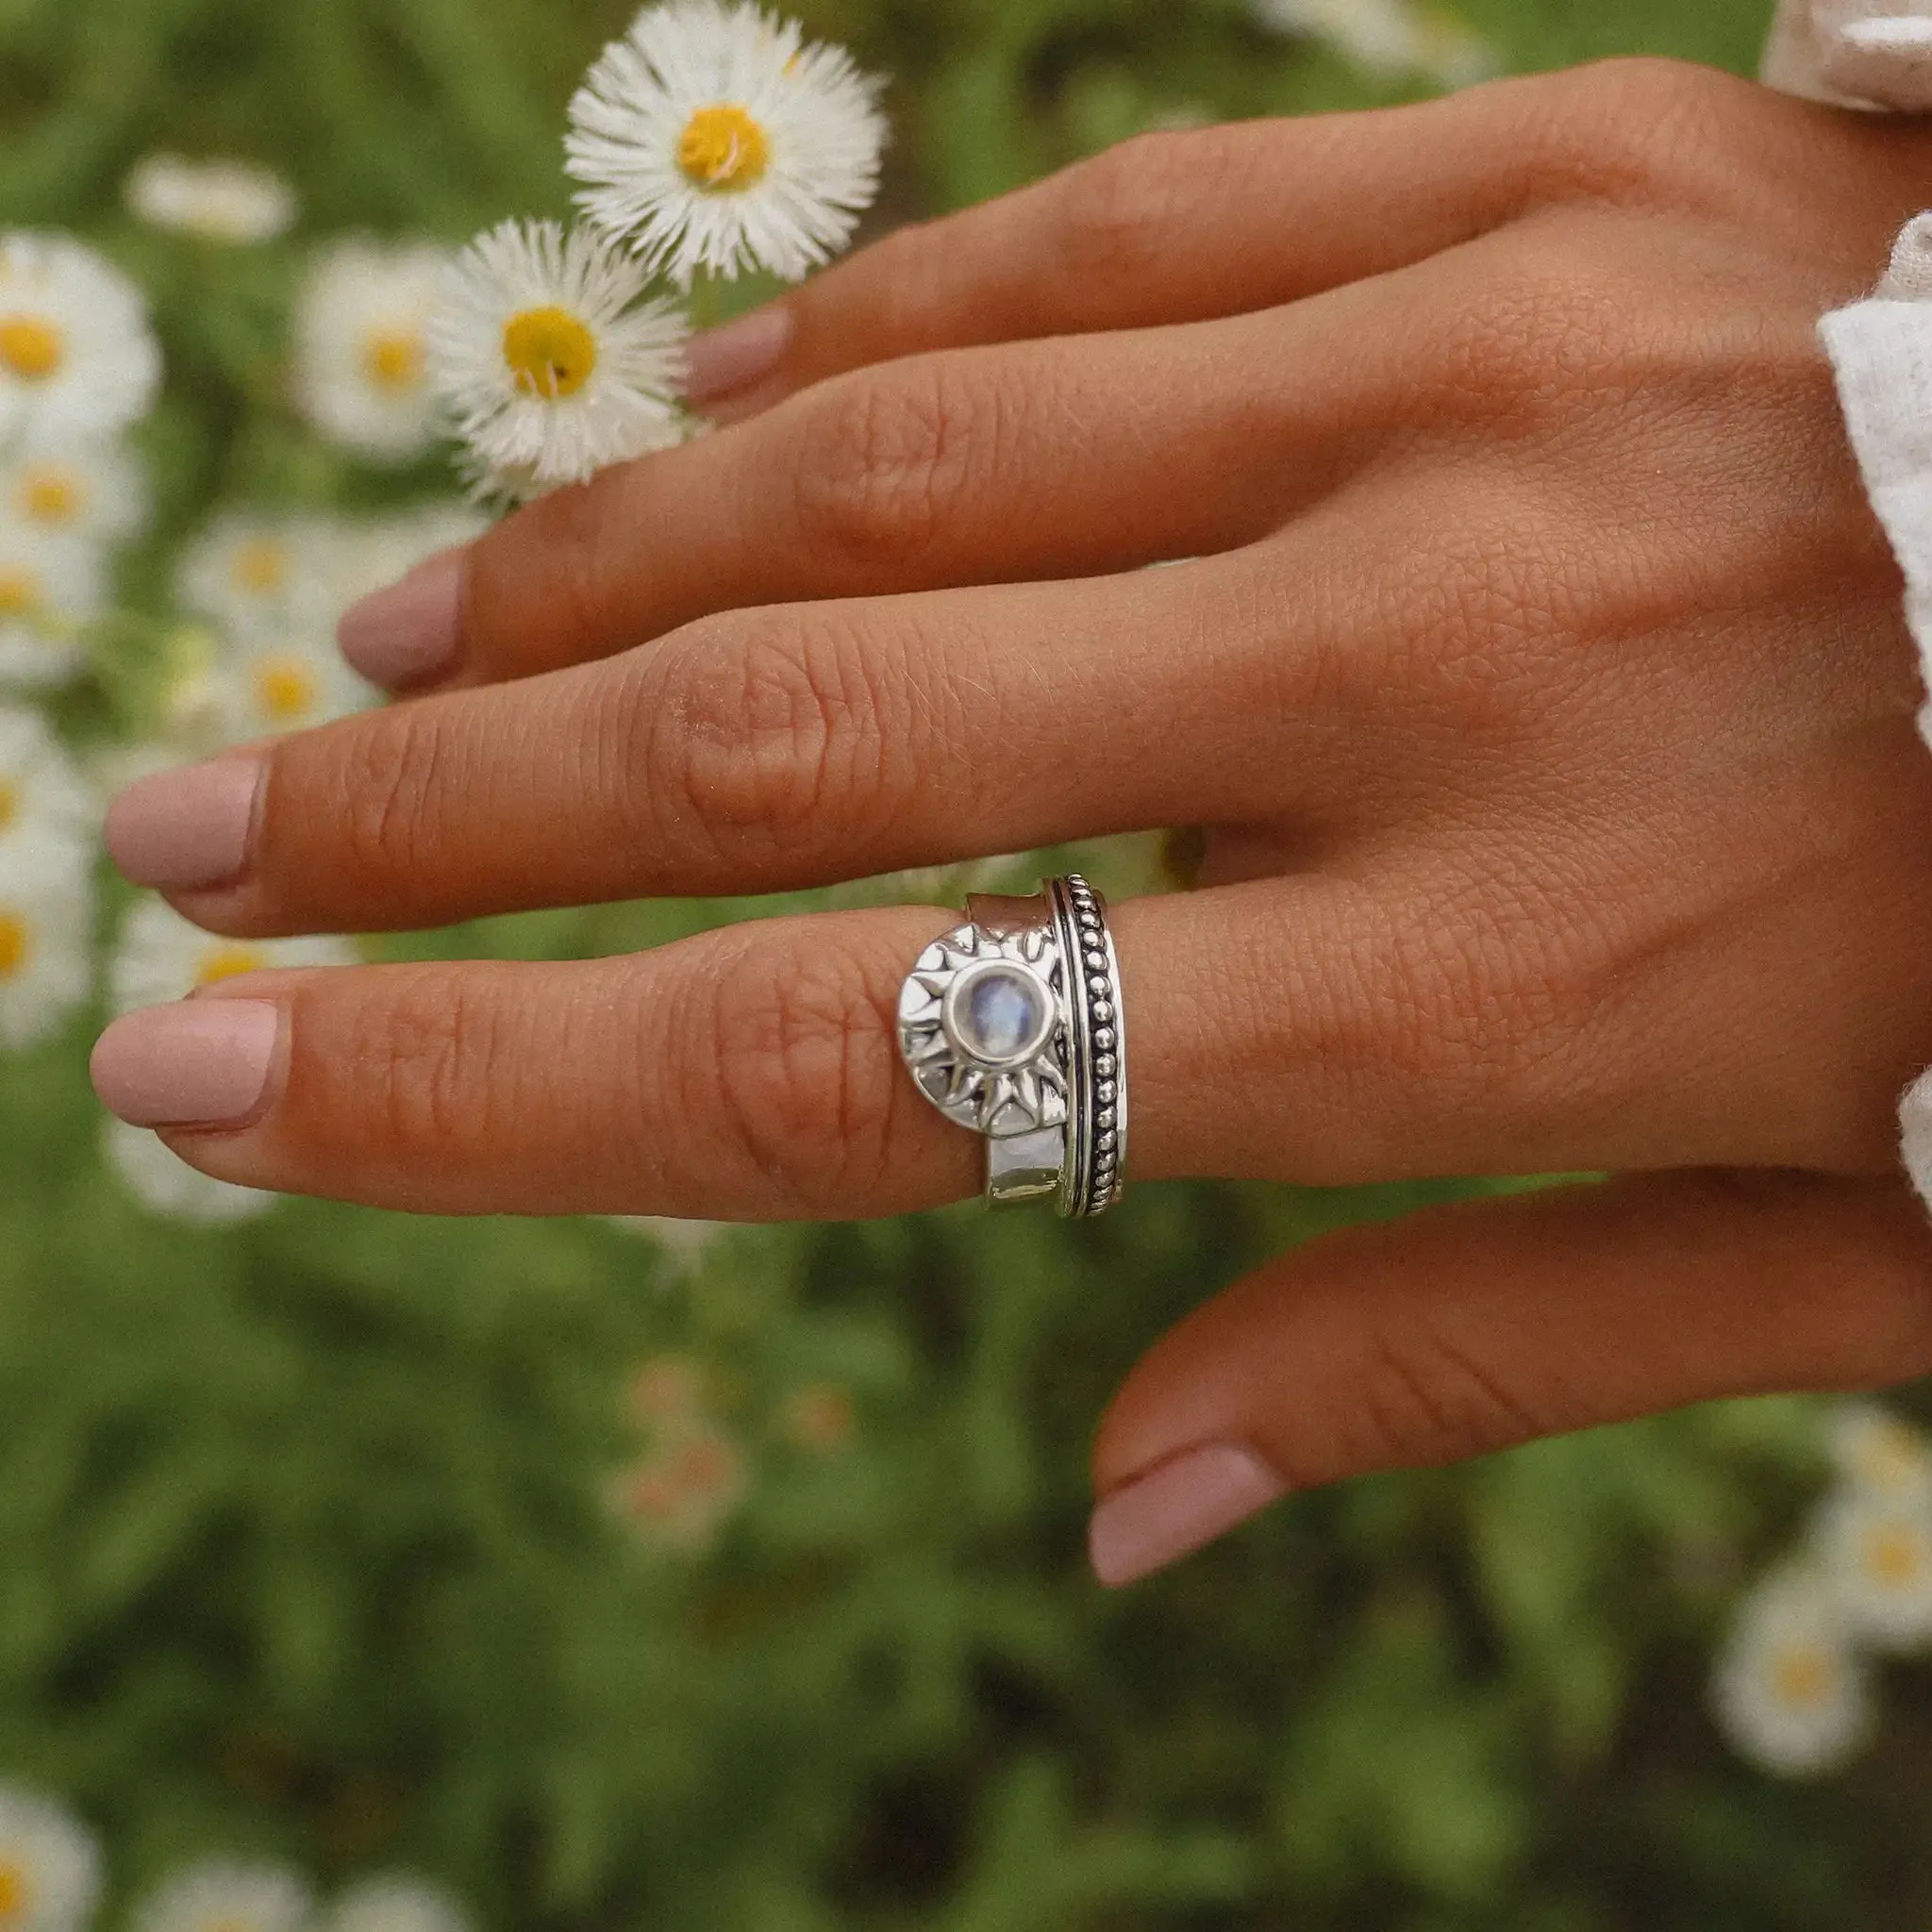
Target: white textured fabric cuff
{"points": [[1854, 53], [1881, 352]]}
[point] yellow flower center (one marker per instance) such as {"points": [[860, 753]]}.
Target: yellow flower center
{"points": [[16, 1892], [286, 689], [1802, 1679], [51, 494], [31, 348], [1896, 1558], [20, 591], [724, 150], [16, 949], [550, 353], [9, 803], [261, 566], [393, 359], [229, 962]]}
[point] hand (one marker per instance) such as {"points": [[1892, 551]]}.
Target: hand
{"points": [[1539, 678]]}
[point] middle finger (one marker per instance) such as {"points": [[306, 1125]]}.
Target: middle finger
{"points": [[763, 751]]}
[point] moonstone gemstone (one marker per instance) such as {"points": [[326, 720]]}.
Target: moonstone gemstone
{"points": [[1000, 1015]]}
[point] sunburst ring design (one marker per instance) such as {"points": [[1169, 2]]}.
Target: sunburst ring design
{"points": [[997, 1087]]}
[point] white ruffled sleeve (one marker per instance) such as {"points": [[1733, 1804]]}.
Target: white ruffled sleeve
{"points": [[1856, 53], [1877, 54], [1881, 353]]}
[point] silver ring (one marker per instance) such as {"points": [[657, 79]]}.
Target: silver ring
{"points": [[1012, 1025]]}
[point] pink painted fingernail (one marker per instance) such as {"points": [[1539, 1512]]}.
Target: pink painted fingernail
{"points": [[1176, 1509], [735, 355], [204, 1063], [187, 831], [412, 631]]}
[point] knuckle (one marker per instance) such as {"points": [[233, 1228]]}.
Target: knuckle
{"points": [[389, 770], [800, 1044], [1640, 130], [886, 460], [776, 729], [423, 1054], [1564, 330], [1118, 211], [1430, 1400]]}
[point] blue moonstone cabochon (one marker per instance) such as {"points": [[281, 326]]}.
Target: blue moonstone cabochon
{"points": [[1002, 1015]]}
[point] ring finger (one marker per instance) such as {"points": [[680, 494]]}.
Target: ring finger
{"points": [[754, 1073]]}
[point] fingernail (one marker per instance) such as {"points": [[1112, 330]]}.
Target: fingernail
{"points": [[204, 1063], [413, 630], [1177, 1509], [185, 831], [735, 354]]}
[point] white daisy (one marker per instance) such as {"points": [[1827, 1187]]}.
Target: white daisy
{"points": [[46, 943], [396, 1902], [291, 682], [200, 712], [50, 1866], [221, 1896], [1877, 1452], [89, 493], [162, 958], [203, 709], [50, 591], [714, 138], [235, 203], [361, 352], [44, 801], [550, 366], [78, 362], [253, 575], [1876, 1554], [165, 1185], [1791, 1692]]}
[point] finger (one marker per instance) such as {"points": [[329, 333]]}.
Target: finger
{"points": [[752, 1073], [1180, 226], [1038, 460], [766, 750], [1471, 1329]]}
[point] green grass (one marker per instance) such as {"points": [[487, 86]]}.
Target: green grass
{"points": [[302, 1541]]}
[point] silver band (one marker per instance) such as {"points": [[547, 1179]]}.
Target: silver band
{"points": [[1013, 1024], [1096, 1052]]}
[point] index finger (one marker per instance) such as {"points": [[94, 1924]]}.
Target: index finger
{"points": [[1191, 226]]}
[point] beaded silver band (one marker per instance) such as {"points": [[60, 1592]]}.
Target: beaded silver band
{"points": [[1096, 1052], [1012, 1025]]}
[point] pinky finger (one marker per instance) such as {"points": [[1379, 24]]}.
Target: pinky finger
{"points": [[1475, 1328]]}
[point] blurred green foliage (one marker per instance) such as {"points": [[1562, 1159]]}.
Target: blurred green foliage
{"points": [[307, 1547]]}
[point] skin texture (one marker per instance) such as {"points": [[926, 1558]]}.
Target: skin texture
{"points": [[1539, 681]]}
